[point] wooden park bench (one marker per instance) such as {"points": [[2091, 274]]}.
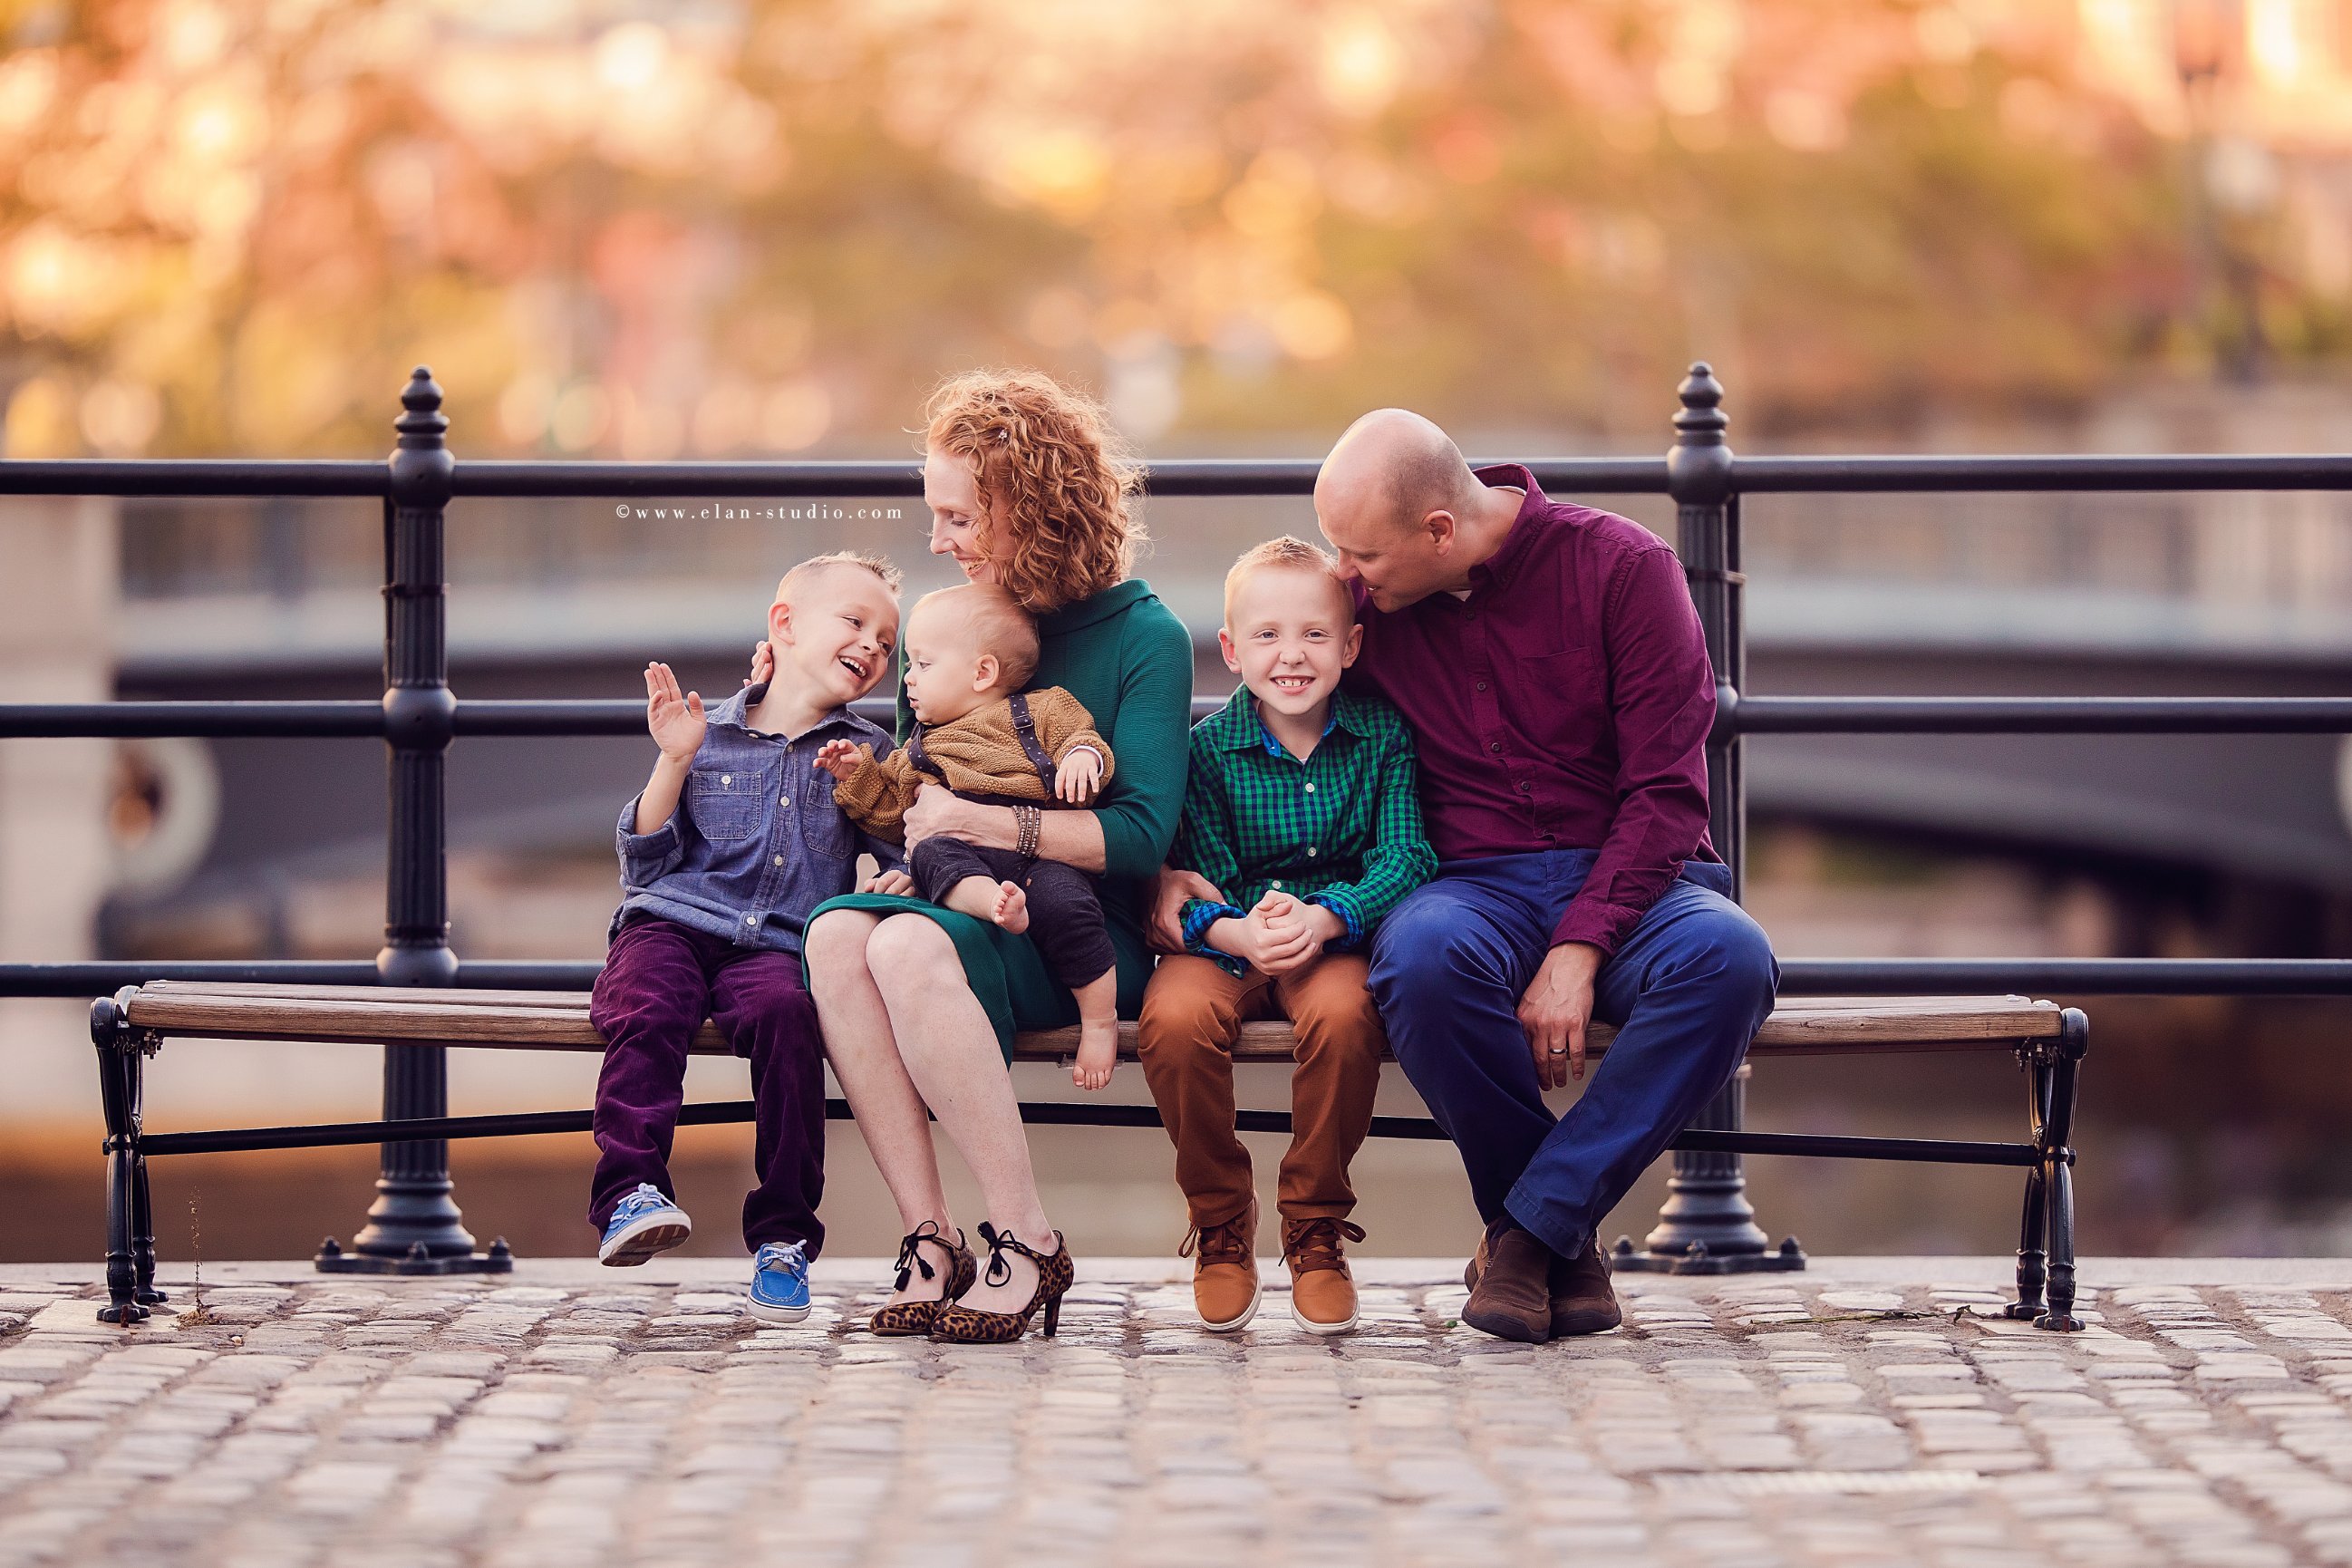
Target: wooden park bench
{"points": [[134, 1023]]}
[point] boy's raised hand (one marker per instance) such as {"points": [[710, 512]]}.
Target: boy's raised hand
{"points": [[839, 758], [1076, 781], [675, 720]]}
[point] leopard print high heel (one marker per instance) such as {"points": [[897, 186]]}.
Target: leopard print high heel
{"points": [[959, 1324], [920, 1317]]}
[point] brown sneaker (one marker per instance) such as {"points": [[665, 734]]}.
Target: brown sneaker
{"points": [[1322, 1292], [1224, 1280], [1512, 1296], [1582, 1301]]}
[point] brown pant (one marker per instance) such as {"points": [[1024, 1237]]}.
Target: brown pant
{"points": [[1193, 1014]]}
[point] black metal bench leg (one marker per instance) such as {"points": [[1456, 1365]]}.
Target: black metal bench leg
{"points": [[114, 1080], [142, 1213], [2033, 1225], [2058, 1139]]}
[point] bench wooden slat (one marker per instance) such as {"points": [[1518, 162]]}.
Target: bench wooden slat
{"points": [[558, 1020]]}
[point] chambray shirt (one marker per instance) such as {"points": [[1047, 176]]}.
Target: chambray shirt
{"points": [[1564, 704], [756, 842]]}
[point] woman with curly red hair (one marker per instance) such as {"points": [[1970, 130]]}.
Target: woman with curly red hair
{"points": [[1029, 490]]}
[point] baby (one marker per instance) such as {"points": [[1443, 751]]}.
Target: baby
{"points": [[969, 652]]}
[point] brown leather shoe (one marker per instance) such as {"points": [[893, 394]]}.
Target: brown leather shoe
{"points": [[1512, 1296], [1582, 1303], [1322, 1292], [1224, 1280]]}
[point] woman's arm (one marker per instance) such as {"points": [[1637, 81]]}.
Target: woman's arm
{"points": [[1073, 837], [1129, 834]]}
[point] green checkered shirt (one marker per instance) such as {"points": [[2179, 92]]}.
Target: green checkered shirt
{"points": [[1341, 829]]}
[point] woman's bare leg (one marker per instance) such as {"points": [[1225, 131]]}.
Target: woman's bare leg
{"points": [[865, 1059], [950, 1051]]}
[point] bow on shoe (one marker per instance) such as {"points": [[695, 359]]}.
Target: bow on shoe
{"points": [[999, 1272], [910, 1256]]}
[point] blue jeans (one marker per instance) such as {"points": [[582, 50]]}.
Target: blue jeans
{"points": [[1688, 989]]}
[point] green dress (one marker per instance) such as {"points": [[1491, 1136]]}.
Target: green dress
{"points": [[1126, 655]]}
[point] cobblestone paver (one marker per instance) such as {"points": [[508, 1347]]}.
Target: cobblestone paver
{"points": [[570, 1416]]}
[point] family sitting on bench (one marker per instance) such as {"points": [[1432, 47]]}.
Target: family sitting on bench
{"points": [[1457, 809]]}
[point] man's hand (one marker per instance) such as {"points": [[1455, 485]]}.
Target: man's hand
{"points": [[1166, 930], [897, 883], [763, 663], [839, 758], [937, 813], [1557, 1006], [1076, 781], [1295, 931], [674, 719]]}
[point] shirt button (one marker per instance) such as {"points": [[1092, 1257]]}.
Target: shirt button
{"points": [[779, 859], [1482, 686], [783, 800], [1494, 745], [1524, 787], [726, 778], [1274, 886], [1310, 789], [1311, 852], [751, 919]]}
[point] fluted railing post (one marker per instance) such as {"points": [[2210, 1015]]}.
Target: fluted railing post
{"points": [[1707, 1224], [415, 1227]]}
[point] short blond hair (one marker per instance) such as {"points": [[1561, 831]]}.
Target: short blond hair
{"points": [[1000, 626], [1289, 555], [815, 565]]}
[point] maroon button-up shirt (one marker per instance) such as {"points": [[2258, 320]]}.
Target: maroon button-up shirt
{"points": [[1563, 704]]}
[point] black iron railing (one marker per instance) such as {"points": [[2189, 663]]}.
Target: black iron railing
{"points": [[419, 717]]}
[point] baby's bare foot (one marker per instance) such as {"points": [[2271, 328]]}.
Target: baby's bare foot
{"points": [[1011, 910]]}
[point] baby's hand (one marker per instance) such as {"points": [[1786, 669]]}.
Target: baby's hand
{"points": [[763, 663], [1077, 779], [674, 720], [839, 758], [1098, 1058]]}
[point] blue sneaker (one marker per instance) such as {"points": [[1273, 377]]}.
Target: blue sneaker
{"points": [[646, 1223], [779, 1292]]}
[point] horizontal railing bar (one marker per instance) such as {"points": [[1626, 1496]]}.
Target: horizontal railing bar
{"points": [[246, 478], [1799, 976], [509, 717], [2066, 976], [2120, 471], [354, 717], [360, 717], [1046, 1113], [2041, 715], [1931, 1151], [258, 478]]}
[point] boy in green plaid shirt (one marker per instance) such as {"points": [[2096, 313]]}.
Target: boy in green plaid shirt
{"points": [[1302, 807]]}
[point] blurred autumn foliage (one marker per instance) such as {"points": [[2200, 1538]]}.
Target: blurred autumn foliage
{"points": [[232, 226]]}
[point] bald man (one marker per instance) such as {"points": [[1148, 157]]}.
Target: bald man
{"points": [[1550, 663]]}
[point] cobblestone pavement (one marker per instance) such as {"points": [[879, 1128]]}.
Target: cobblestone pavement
{"points": [[1856, 1413]]}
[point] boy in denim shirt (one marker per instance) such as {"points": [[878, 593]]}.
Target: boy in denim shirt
{"points": [[732, 842]]}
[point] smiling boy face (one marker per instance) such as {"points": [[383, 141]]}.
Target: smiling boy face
{"points": [[835, 627], [1288, 632]]}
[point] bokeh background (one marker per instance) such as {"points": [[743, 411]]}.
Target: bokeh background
{"points": [[754, 228]]}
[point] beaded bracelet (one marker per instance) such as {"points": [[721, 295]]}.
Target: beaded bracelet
{"points": [[1028, 825]]}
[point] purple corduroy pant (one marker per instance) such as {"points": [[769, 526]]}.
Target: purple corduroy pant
{"points": [[660, 980]]}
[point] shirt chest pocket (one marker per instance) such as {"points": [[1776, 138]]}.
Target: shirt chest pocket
{"points": [[726, 804], [1564, 702], [822, 827]]}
